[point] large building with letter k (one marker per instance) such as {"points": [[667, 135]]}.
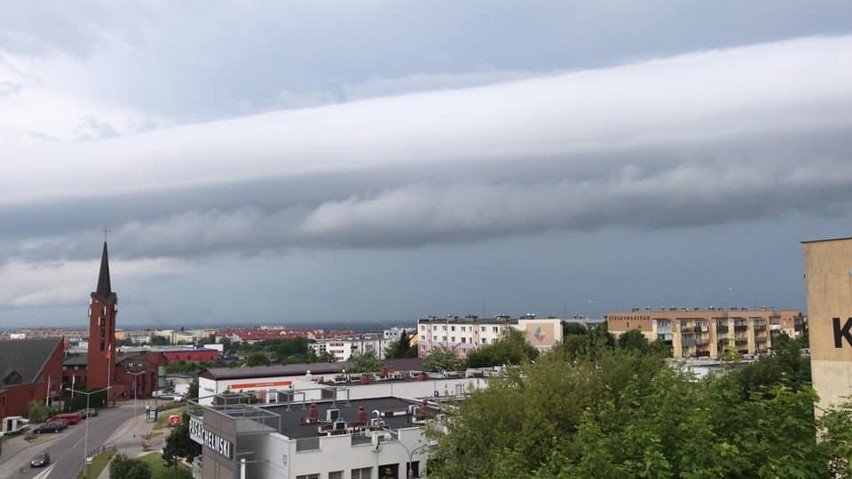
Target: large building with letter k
{"points": [[828, 281]]}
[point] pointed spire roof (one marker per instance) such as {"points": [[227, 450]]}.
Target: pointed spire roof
{"points": [[104, 290]]}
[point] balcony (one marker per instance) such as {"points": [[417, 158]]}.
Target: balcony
{"points": [[688, 343], [741, 342], [741, 328], [721, 328]]}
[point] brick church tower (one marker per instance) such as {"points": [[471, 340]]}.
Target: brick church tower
{"points": [[103, 306]]}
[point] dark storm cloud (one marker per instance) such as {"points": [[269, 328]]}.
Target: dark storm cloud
{"points": [[702, 139]]}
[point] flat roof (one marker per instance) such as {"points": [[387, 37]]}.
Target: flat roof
{"points": [[408, 364], [294, 424], [827, 239]]}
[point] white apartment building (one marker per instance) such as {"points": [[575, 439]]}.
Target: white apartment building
{"points": [[463, 335], [394, 333], [344, 348]]}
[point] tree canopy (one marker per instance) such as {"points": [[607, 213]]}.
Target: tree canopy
{"points": [[597, 411], [128, 468], [364, 363], [440, 359], [179, 445], [511, 348], [401, 348]]}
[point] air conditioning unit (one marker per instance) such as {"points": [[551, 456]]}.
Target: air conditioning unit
{"points": [[332, 415], [339, 426]]}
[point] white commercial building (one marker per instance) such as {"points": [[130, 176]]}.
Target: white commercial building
{"points": [[401, 378], [357, 439]]}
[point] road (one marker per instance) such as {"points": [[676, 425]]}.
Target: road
{"points": [[66, 448]]}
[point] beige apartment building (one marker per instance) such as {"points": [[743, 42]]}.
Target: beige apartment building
{"points": [[707, 333], [828, 283]]}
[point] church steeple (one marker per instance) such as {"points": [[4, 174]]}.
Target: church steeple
{"points": [[104, 287], [103, 307]]}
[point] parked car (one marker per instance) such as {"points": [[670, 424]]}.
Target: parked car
{"points": [[40, 460], [84, 413], [47, 427], [70, 417], [58, 420]]}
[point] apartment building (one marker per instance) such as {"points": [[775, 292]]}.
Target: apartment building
{"points": [[707, 333], [343, 348], [464, 335]]}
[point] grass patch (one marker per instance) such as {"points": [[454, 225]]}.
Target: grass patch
{"points": [[159, 469], [99, 463]]}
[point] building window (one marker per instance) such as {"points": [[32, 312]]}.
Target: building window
{"points": [[308, 476], [494, 328], [483, 329], [363, 473], [335, 475], [452, 328], [464, 340]]}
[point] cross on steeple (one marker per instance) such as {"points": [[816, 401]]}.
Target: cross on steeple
{"points": [[106, 231]]}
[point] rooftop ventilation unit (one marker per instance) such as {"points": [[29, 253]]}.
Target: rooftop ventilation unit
{"points": [[339, 426]]}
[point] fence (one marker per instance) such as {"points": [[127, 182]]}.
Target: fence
{"points": [[93, 454]]}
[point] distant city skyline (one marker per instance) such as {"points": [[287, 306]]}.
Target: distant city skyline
{"points": [[347, 162]]}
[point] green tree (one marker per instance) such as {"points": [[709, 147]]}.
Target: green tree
{"points": [[574, 329], [785, 364], [257, 359], [511, 348], [180, 446], [364, 363], [160, 341], [193, 389], [227, 346], [127, 468], [401, 348], [625, 413], [441, 359], [39, 412]]}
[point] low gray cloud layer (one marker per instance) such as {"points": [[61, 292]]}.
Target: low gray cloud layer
{"points": [[699, 139], [320, 141]]}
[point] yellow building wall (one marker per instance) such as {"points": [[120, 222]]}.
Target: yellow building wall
{"points": [[828, 284]]}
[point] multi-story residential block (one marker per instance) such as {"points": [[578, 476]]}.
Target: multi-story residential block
{"points": [[708, 332], [463, 335], [344, 347]]}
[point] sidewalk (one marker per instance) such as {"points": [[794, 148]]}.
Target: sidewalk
{"points": [[128, 438]]}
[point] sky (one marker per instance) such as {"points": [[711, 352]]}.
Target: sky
{"points": [[309, 163]]}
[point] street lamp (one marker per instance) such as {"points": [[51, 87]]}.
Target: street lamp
{"points": [[430, 444], [86, 441], [411, 452]]}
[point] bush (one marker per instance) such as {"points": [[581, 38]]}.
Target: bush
{"points": [[39, 412], [127, 468]]}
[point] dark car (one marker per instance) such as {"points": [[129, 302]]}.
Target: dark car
{"points": [[84, 413], [50, 427], [40, 460]]}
